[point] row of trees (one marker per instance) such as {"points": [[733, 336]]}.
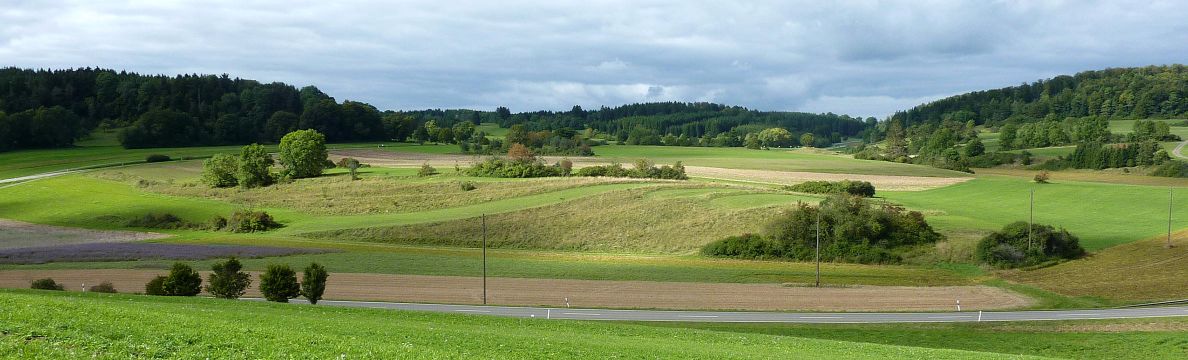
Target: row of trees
{"points": [[1095, 155], [1120, 93], [228, 281], [302, 154]]}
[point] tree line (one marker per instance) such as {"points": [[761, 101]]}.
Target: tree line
{"points": [[1117, 93]]}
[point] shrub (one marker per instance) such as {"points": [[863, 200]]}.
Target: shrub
{"points": [[220, 171], [1171, 168], [857, 188], [352, 165], [1042, 177], [161, 221], [182, 281], [566, 167], [643, 169], [495, 167], [246, 221], [520, 153], [468, 186], [851, 230], [226, 280], [303, 153], [152, 158], [46, 284], [254, 162], [746, 246], [279, 283], [217, 223], [426, 170], [104, 287], [314, 282], [156, 286], [1009, 247]]}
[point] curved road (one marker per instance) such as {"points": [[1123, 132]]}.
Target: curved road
{"points": [[768, 317], [1176, 151]]}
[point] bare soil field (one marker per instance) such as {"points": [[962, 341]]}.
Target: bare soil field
{"points": [[592, 293], [19, 234], [882, 182]]}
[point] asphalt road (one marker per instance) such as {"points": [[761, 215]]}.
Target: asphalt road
{"points": [[768, 317]]}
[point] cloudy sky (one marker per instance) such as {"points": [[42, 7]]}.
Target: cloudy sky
{"points": [[864, 58]]}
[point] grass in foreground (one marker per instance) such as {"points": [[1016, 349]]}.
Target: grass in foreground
{"points": [[38, 324], [1162, 338]]}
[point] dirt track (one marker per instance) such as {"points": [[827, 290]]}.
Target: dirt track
{"points": [[17, 234], [882, 182], [592, 293]]}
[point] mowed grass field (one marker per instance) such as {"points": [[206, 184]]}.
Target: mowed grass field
{"points": [[808, 160], [89, 325], [1140, 271]]}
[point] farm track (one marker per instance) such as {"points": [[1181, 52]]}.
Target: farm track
{"points": [[1176, 152], [17, 234], [591, 293], [772, 177]]}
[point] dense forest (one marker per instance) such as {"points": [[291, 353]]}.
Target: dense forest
{"points": [[1121, 93], [667, 123], [53, 108]]}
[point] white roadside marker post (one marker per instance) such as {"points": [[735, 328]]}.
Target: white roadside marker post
{"points": [[958, 304]]}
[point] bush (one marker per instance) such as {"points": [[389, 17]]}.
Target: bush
{"points": [[161, 221], [226, 280], [352, 165], [857, 188], [279, 283], [426, 170], [1042, 177], [220, 171], [217, 223], [246, 221], [182, 281], [468, 186], [314, 282], [566, 167], [747, 246], [500, 168], [851, 230], [46, 284], [643, 169], [303, 153], [1171, 168], [104, 287], [254, 163], [1008, 248], [156, 286], [157, 158]]}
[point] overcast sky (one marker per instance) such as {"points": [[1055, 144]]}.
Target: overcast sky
{"points": [[863, 58]]}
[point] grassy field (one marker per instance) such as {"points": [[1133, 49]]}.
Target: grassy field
{"points": [[1163, 338], [1139, 271], [75, 325], [1101, 214], [656, 219]]}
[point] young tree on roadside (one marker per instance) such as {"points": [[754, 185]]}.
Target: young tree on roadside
{"points": [[279, 283], [807, 139], [314, 282], [303, 153], [227, 281]]}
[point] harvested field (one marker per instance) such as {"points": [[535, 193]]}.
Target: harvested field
{"points": [[20, 234], [593, 293], [882, 182], [139, 251]]}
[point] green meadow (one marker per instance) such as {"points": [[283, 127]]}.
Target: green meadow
{"points": [[90, 325]]}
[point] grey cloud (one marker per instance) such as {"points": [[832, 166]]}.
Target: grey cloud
{"points": [[865, 58]]}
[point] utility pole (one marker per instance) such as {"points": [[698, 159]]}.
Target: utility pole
{"points": [[1031, 220], [1169, 216], [818, 246], [484, 259]]}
